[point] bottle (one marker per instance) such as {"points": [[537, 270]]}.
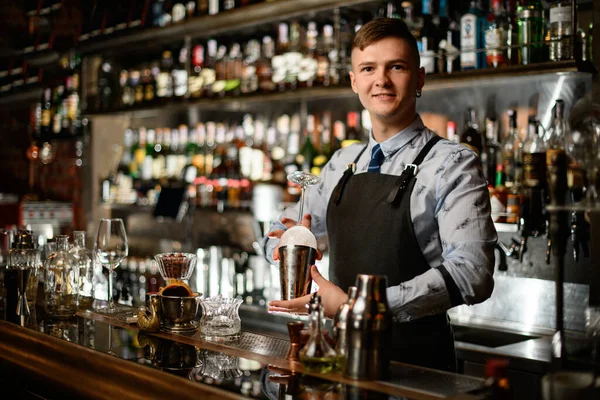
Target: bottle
{"points": [[249, 81], [530, 21], [164, 80], [498, 195], [278, 62], [352, 133], [555, 141], [195, 80], [496, 36], [59, 110], [308, 64], [472, 37], [308, 151], [264, 67], [179, 74], [234, 69], [46, 117], [86, 262], [471, 136], [317, 355], [73, 112], [491, 150], [534, 156], [208, 72], [561, 31], [511, 151], [61, 281]]}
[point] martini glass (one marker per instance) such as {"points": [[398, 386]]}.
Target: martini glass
{"points": [[297, 247]]}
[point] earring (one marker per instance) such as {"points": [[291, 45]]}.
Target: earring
{"points": [[418, 93]]}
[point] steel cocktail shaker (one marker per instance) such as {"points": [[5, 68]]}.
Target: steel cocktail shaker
{"points": [[369, 330]]}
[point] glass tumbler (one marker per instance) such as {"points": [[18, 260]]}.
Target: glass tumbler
{"points": [[220, 317]]}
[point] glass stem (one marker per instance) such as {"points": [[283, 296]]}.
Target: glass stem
{"points": [[301, 208], [111, 304]]}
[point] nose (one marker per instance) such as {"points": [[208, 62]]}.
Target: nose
{"points": [[381, 78]]}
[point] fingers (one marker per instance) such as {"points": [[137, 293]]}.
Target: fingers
{"points": [[319, 255], [316, 276], [276, 254], [307, 220], [296, 305], [276, 234], [288, 222]]}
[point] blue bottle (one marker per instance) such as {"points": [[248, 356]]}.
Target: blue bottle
{"points": [[472, 37]]}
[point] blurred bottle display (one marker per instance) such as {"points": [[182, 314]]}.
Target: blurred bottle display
{"points": [[300, 53], [225, 159]]}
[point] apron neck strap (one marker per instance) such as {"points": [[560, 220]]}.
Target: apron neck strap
{"points": [[411, 170]]}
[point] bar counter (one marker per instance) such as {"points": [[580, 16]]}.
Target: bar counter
{"points": [[95, 356]]}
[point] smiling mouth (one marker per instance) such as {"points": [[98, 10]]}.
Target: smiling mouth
{"points": [[384, 95]]}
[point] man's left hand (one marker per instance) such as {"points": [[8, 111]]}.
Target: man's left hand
{"points": [[332, 297]]}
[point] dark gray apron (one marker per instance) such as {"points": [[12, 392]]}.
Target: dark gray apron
{"points": [[370, 231]]}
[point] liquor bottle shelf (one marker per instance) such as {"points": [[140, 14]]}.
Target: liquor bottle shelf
{"points": [[250, 102], [206, 26]]}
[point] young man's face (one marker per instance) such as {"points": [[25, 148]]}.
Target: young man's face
{"points": [[385, 77]]}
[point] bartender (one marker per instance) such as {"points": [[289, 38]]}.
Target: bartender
{"points": [[409, 205]]}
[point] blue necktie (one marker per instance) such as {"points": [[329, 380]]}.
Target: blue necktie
{"points": [[376, 158]]}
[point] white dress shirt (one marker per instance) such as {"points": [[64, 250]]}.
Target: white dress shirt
{"points": [[450, 211]]}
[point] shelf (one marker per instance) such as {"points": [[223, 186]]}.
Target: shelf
{"points": [[249, 102], [226, 22]]}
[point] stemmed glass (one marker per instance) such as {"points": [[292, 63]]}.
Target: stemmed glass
{"points": [[111, 248], [299, 235], [297, 248]]}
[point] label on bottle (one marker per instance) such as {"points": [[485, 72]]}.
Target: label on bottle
{"points": [[149, 93], [72, 106], [180, 78], [560, 14], [178, 12], [513, 208], [494, 38], [308, 69], [292, 61], [468, 41], [213, 7], [534, 169], [46, 117], [162, 84], [279, 65]]}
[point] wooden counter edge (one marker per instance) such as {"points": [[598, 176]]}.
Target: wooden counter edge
{"points": [[53, 364]]}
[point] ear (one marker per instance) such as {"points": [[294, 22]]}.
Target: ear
{"points": [[353, 82], [421, 78]]}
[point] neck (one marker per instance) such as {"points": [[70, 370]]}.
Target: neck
{"points": [[383, 130]]}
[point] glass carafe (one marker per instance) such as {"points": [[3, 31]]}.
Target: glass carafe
{"points": [[317, 355], [87, 263], [61, 283]]}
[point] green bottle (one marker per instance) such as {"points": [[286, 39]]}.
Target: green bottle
{"points": [[530, 22]]}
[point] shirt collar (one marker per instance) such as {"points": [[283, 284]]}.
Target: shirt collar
{"points": [[400, 139]]}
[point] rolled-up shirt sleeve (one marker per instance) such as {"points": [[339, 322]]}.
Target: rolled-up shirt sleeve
{"points": [[467, 237]]}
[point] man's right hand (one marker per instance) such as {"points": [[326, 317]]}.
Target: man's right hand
{"points": [[288, 222]]}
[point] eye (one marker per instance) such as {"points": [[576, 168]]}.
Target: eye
{"points": [[398, 67], [366, 69]]}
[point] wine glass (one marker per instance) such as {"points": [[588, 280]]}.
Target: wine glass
{"points": [[299, 235], [582, 143], [111, 248]]}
